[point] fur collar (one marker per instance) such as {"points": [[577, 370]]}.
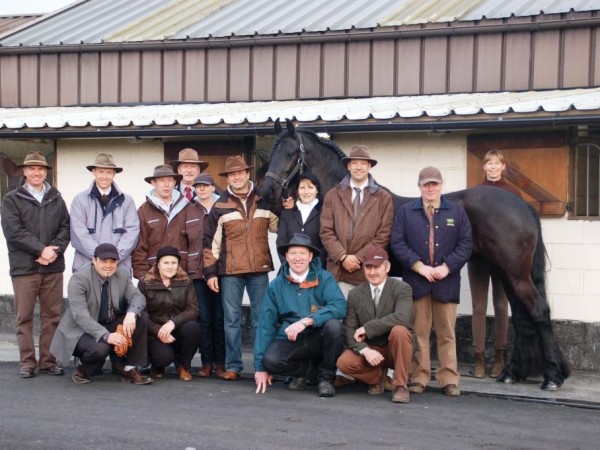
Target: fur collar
{"points": [[152, 277]]}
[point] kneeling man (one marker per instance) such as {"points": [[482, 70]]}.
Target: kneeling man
{"points": [[300, 321], [100, 298], [378, 332]]}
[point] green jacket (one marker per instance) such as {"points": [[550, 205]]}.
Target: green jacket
{"points": [[287, 302]]}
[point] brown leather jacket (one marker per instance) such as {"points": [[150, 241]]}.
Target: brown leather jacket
{"points": [[183, 231], [178, 302], [341, 236]]}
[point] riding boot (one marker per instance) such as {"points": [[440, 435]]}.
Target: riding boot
{"points": [[499, 361], [479, 368]]}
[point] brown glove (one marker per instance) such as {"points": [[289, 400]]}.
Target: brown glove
{"points": [[121, 350]]}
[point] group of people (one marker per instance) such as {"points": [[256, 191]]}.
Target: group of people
{"points": [[331, 316]]}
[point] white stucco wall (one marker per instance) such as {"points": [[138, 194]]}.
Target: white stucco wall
{"points": [[573, 245]]}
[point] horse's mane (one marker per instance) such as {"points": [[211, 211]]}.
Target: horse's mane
{"points": [[326, 142]]}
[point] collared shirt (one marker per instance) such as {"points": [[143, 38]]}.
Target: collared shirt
{"points": [[299, 278], [380, 286], [39, 196], [361, 187]]}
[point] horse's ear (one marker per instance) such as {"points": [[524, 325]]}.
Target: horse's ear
{"points": [[277, 127], [10, 168], [290, 127]]}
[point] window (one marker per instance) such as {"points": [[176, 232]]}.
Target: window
{"points": [[13, 151], [586, 180]]}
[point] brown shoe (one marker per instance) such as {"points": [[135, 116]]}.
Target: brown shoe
{"points": [[117, 368], [230, 375], [499, 362], [79, 376], [220, 371], [451, 390], [416, 388], [379, 387], [341, 381], [184, 374], [157, 374], [401, 395], [205, 371], [479, 367], [135, 376], [52, 370]]}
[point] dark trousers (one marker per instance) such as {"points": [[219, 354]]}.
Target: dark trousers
{"points": [[187, 339], [92, 353], [212, 344], [326, 344]]}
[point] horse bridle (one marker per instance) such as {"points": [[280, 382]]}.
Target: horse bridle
{"points": [[284, 182]]}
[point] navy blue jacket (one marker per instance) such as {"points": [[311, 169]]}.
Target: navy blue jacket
{"points": [[453, 245]]}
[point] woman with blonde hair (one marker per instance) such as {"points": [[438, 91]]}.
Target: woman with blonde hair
{"points": [[480, 272]]}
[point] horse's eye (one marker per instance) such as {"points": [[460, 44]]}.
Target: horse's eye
{"points": [[290, 154]]}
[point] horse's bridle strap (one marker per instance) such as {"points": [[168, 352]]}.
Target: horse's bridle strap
{"points": [[284, 182]]}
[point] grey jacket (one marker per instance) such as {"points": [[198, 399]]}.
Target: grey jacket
{"points": [[83, 307], [90, 227], [394, 308]]}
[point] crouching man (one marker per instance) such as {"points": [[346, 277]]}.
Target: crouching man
{"points": [[378, 332], [300, 321], [100, 298]]}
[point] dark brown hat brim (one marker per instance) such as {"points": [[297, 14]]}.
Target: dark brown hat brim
{"points": [[348, 158], [101, 166], [177, 178], [203, 164]]}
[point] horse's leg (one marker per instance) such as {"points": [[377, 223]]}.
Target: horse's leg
{"points": [[535, 347]]}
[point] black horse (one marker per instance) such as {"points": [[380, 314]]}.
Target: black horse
{"points": [[506, 232]]}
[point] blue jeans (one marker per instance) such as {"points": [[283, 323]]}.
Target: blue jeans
{"points": [[232, 294], [212, 344]]}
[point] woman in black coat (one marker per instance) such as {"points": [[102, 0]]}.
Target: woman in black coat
{"points": [[305, 215]]}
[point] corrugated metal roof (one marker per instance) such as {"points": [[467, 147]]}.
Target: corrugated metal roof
{"points": [[95, 21], [9, 23], [232, 114]]}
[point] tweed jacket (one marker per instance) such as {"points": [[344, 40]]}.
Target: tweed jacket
{"points": [[119, 225], [178, 302], [394, 308], [340, 235], [83, 307], [29, 226], [453, 246]]}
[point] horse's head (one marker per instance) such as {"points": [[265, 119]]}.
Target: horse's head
{"points": [[288, 159]]}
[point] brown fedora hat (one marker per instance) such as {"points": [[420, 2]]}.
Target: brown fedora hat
{"points": [[190, 156], [359, 152], [163, 171], [35, 159], [105, 161], [234, 164]]}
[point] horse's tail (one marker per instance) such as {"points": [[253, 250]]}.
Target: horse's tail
{"points": [[529, 354], [538, 265]]}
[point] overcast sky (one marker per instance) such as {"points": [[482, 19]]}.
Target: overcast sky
{"points": [[16, 7]]}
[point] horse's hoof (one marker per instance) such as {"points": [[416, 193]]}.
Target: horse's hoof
{"points": [[548, 385], [506, 378]]}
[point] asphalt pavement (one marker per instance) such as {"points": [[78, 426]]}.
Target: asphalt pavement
{"points": [[581, 389]]}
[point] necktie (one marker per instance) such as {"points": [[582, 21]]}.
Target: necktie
{"points": [[104, 300], [356, 202], [376, 297], [188, 193], [104, 200], [430, 212]]}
